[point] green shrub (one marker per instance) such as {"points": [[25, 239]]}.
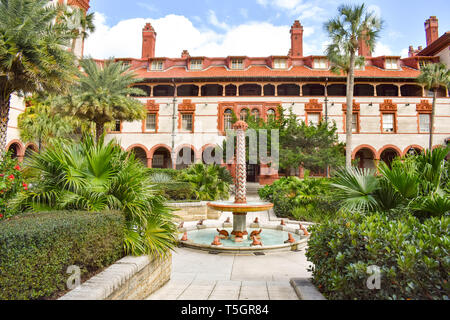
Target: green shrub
{"points": [[413, 257], [36, 249], [309, 199], [174, 174]]}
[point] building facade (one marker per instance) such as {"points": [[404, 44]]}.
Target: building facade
{"points": [[190, 101]]}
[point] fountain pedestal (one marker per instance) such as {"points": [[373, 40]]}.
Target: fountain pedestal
{"points": [[239, 225]]}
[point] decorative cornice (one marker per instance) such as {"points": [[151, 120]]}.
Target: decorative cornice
{"points": [[186, 106], [388, 105], [424, 106], [356, 107], [313, 105], [152, 106]]}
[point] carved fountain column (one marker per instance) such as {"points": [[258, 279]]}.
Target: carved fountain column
{"points": [[240, 218]]}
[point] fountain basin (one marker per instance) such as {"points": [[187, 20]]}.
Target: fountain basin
{"points": [[230, 206], [271, 237]]}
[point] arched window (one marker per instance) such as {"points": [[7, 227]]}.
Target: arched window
{"points": [[270, 114], [255, 114], [244, 114], [228, 119]]}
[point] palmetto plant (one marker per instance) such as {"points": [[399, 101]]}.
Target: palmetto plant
{"points": [[353, 23], [433, 77], [209, 182], [103, 95], [33, 55], [100, 177], [413, 184]]}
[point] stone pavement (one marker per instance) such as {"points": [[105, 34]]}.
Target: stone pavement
{"points": [[198, 275]]}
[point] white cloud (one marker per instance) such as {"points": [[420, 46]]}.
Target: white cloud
{"points": [[215, 22], [176, 33], [382, 49]]}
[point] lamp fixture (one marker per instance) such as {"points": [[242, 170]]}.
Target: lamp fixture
{"points": [[371, 104]]}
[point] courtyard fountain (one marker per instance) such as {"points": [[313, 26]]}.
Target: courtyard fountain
{"points": [[263, 237]]}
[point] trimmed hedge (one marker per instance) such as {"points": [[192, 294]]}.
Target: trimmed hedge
{"points": [[413, 257], [36, 249]]}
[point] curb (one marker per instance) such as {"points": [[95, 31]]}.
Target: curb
{"points": [[305, 290]]}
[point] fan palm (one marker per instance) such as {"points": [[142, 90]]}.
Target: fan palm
{"points": [[433, 77], [209, 182], [103, 95], [97, 177], [81, 25], [40, 124], [354, 23], [33, 55]]}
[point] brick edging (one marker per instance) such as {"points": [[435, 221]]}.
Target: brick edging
{"points": [[130, 278]]}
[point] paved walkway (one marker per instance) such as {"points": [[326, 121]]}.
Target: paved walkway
{"points": [[198, 275], [202, 276]]}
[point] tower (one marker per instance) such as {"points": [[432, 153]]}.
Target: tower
{"points": [[296, 40], [364, 49], [432, 30], [148, 41]]}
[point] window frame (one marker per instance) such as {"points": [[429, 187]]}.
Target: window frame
{"points": [[159, 63], [156, 122], [237, 62], [419, 127], [309, 113], [187, 114], [277, 63], [394, 122], [198, 63], [389, 62], [320, 62]]}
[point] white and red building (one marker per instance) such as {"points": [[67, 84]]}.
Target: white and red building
{"points": [[190, 99]]}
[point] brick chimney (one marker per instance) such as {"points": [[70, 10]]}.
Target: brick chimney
{"points": [[185, 54], [364, 49], [296, 40], [432, 30], [148, 41]]}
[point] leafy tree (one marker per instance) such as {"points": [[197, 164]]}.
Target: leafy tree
{"points": [[103, 94], [33, 55], [40, 123], [353, 23], [433, 77], [81, 24], [98, 177]]}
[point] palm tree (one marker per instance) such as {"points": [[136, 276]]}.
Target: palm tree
{"points": [[97, 177], [354, 23], [33, 55], [39, 123], [433, 77], [103, 95]]}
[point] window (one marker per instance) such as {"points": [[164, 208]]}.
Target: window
{"points": [[391, 64], [279, 64], [320, 63], [314, 118], [117, 126], [237, 64], [388, 122], [355, 126], [244, 114], [150, 122], [186, 122], [424, 122], [228, 119], [423, 63], [270, 114], [255, 114], [157, 65], [196, 64]]}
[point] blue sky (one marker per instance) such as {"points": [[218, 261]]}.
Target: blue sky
{"points": [[250, 27]]}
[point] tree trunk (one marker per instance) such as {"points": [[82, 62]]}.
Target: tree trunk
{"points": [[99, 128], [349, 115], [4, 118], [433, 113]]}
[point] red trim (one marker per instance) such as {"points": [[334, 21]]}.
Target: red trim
{"points": [[389, 146], [415, 146], [365, 146], [20, 150]]}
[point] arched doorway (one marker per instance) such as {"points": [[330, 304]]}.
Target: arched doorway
{"points": [[29, 150], [412, 151], [389, 154], [185, 158], [365, 157], [161, 158], [15, 150], [140, 154]]}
